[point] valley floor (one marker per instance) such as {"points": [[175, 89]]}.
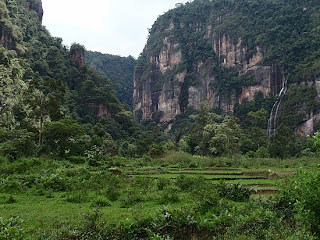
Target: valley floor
{"points": [[178, 196]]}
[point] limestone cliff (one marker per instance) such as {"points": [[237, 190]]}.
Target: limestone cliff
{"points": [[77, 55], [161, 100], [206, 52], [9, 35], [6, 29], [36, 5]]}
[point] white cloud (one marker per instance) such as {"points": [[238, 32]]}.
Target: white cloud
{"points": [[112, 26]]}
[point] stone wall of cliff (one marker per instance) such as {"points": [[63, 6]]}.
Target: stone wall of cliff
{"points": [[225, 52], [8, 34], [36, 5], [160, 100]]}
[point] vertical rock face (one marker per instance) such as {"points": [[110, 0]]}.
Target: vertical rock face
{"points": [[6, 28], [77, 56], [225, 52], [159, 100], [6, 38], [153, 99], [36, 5], [311, 118]]}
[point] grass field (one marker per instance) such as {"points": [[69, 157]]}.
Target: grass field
{"points": [[52, 197]]}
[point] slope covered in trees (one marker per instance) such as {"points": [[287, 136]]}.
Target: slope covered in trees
{"points": [[51, 102], [118, 69], [225, 52]]}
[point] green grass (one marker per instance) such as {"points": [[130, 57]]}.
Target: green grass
{"points": [[209, 177], [49, 194]]}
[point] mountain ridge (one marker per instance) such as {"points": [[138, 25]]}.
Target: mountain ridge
{"points": [[226, 52]]}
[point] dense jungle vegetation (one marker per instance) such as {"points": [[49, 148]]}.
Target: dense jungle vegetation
{"points": [[75, 165], [287, 31], [118, 69]]}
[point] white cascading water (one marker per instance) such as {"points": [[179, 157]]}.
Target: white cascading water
{"points": [[272, 122]]}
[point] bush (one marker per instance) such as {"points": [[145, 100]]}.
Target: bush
{"points": [[17, 148], [112, 191], [169, 195], [77, 197], [234, 192], [299, 197], [157, 150], [262, 152], [130, 198], [162, 183], [77, 159], [11, 200], [55, 182], [65, 132], [100, 202], [184, 182], [10, 229]]}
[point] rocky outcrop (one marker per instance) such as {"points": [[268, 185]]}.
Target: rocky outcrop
{"points": [[99, 110], [6, 28], [6, 38], [77, 56], [224, 53], [312, 118], [306, 128], [36, 5], [160, 99]]}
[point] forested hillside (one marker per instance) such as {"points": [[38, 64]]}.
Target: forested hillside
{"points": [[118, 69], [225, 91], [226, 53], [51, 101]]}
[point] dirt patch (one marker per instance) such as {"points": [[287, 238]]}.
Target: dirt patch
{"points": [[265, 174], [211, 169], [273, 176], [151, 170], [116, 172], [230, 178], [259, 185], [206, 173], [267, 191]]}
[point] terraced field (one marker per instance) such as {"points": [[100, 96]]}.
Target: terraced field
{"points": [[263, 181]]}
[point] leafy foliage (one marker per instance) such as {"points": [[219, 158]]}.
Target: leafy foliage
{"points": [[10, 229], [118, 69], [299, 199]]}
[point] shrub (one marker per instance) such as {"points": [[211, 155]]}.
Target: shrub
{"points": [[262, 152], [11, 200], [157, 150], [10, 229], [61, 137], [100, 202], [299, 197], [55, 182], [112, 191], [184, 182], [77, 197], [169, 195], [250, 154], [129, 198], [235, 192], [162, 183], [77, 159]]}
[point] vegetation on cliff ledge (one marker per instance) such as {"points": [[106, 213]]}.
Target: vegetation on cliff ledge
{"points": [[286, 31]]}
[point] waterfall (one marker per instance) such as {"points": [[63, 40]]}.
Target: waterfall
{"points": [[272, 122]]}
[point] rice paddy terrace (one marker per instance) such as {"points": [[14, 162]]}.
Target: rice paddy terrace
{"points": [[49, 195], [263, 181]]}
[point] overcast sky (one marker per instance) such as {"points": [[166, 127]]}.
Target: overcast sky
{"points": [[110, 26]]}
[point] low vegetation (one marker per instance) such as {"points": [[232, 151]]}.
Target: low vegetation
{"points": [[178, 196]]}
